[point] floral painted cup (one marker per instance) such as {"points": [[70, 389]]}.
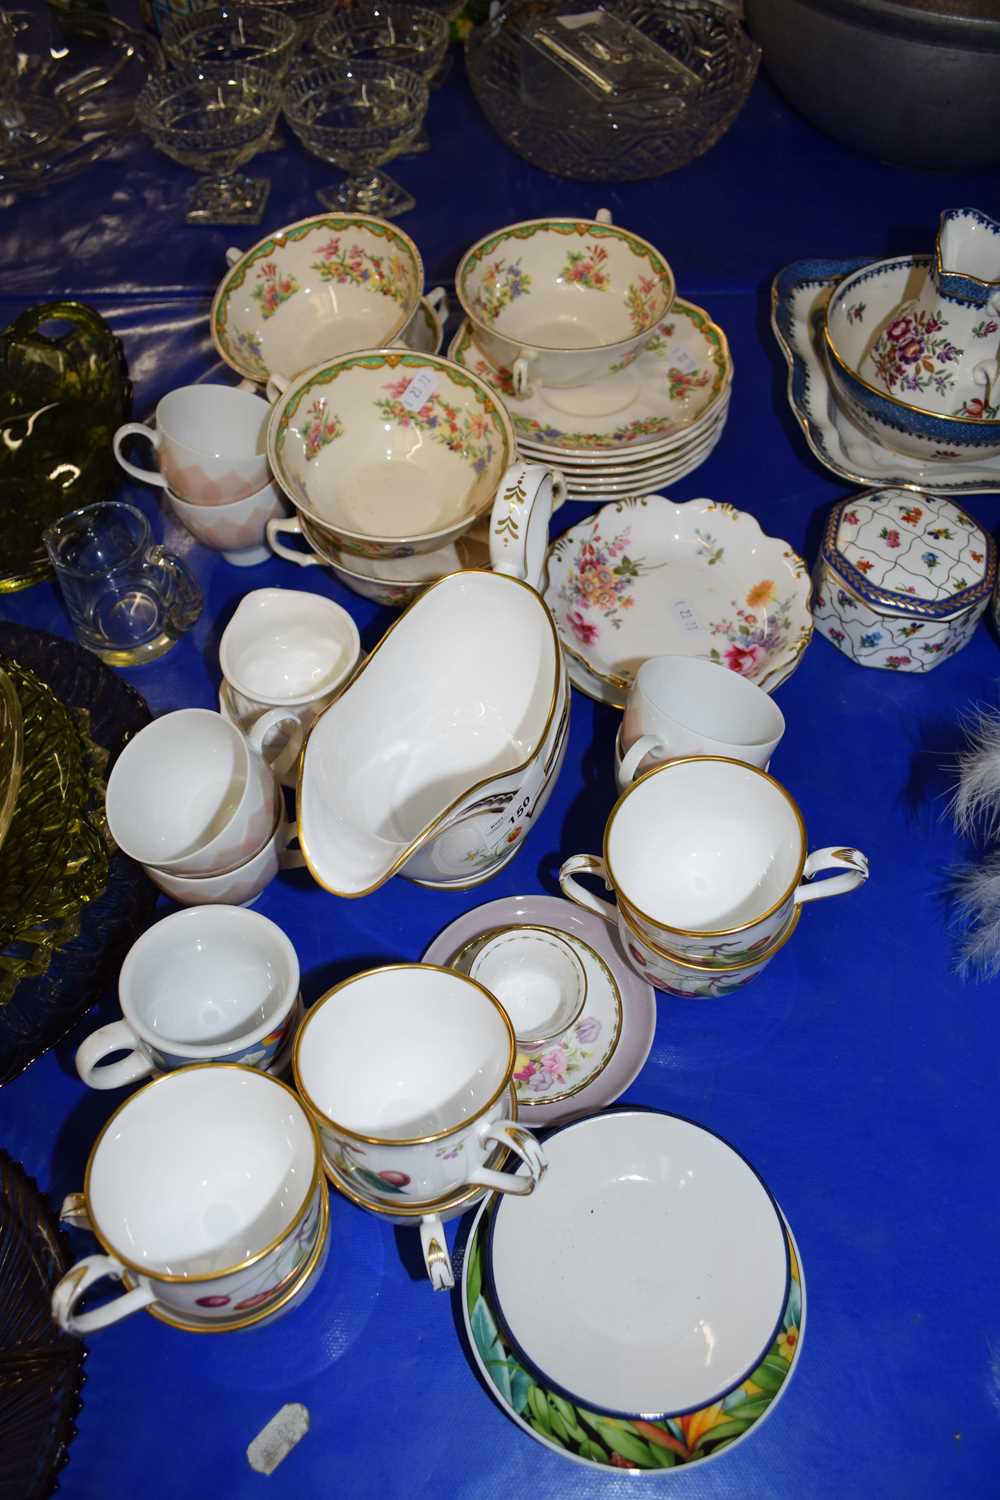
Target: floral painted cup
{"points": [[706, 981], [209, 984], [708, 859], [314, 290], [406, 1070], [389, 453], [560, 302], [205, 1190], [209, 444]]}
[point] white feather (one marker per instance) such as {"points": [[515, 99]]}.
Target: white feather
{"points": [[978, 906], [975, 803]]}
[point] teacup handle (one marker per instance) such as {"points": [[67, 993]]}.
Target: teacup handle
{"points": [[852, 862], [232, 256], [523, 1144], [436, 1257], [635, 755], [587, 864], [111, 1038], [138, 429], [274, 386], [520, 374], [74, 1211], [261, 728], [274, 529], [437, 301], [519, 521], [68, 1292]]}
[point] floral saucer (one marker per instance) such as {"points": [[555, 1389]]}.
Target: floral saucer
{"points": [[580, 487], [799, 295], [629, 466], [601, 1442], [654, 399], [593, 939], [647, 577], [548, 1072]]}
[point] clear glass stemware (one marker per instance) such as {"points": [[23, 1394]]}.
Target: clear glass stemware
{"points": [[357, 115], [235, 33], [405, 36], [214, 117]]}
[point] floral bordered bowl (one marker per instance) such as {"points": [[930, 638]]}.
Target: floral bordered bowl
{"points": [[315, 289], [646, 576], [569, 297], [862, 329], [389, 453], [902, 579]]}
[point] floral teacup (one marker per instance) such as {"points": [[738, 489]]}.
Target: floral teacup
{"points": [[563, 302]]}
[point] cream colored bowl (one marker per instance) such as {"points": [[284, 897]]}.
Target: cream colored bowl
{"points": [[389, 453], [313, 290]]}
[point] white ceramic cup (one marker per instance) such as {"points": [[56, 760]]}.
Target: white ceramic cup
{"points": [[239, 887], [708, 857], [289, 653], [683, 705], [537, 977], [191, 795], [238, 530], [205, 1192], [209, 443], [406, 1070], [209, 984]]}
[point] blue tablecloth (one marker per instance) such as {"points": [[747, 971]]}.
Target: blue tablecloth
{"points": [[858, 1073]]}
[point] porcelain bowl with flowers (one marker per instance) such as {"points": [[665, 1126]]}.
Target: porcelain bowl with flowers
{"points": [[388, 453], [867, 327], [315, 289], [572, 298]]}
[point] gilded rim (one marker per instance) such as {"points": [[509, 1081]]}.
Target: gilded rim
{"points": [[616, 996], [418, 1140], [393, 358], [540, 1041], [175, 1320], [657, 262], [436, 822], [407, 1209], [843, 286], [725, 760], [710, 971], [246, 260], [174, 1277]]}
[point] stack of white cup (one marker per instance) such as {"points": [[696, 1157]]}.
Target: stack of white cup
{"points": [[209, 444]]}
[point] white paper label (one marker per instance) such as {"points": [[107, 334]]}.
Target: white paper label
{"points": [[684, 361], [582, 18], [686, 617], [419, 391]]}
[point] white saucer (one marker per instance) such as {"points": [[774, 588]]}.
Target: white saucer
{"points": [[799, 294], [548, 1072], [659, 400], [637, 998]]}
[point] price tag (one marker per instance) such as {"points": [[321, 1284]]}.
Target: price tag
{"points": [[686, 618], [419, 391], [684, 362]]}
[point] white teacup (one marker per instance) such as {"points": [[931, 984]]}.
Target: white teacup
{"points": [[191, 795], [239, 887], [238, 529], [406, 1070], [210, 984], [683, 705], [708, 858], [209, 443], [205, 1190], [537, 977], [285, 650]]}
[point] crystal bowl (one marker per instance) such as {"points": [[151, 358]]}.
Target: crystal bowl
{"points": [[572, 134], [408, 36], [265, 38]]}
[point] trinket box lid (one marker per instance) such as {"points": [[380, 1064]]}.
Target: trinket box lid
{"points": [[908, 552]]}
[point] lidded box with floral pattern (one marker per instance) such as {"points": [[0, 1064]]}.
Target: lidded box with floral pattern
{"points": [[901, 579]]}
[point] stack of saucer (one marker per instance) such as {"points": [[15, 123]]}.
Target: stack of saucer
{"points": [[654, 419]]}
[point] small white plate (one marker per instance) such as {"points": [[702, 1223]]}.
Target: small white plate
{"points": [[645, 577], [613, 466], [675, 384], [638, 1002], [799, 295], [547, 1072], [647, 1274]]}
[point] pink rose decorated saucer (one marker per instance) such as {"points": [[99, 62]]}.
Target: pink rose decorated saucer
{"points": [[647, 577]]}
